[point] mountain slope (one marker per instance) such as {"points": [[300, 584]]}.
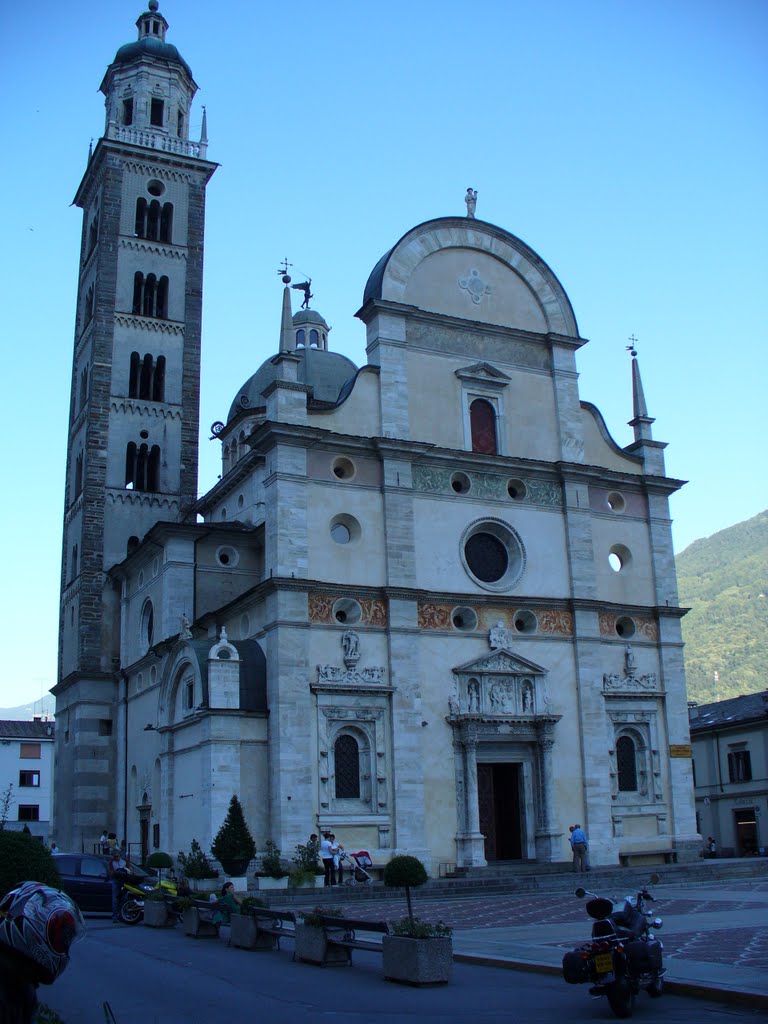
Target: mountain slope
{"points": [[724, 581]]}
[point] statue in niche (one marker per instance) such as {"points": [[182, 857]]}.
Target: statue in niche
{"points": [[499, 636], [473, 691], [350, 641], [527, 699], [503, 696], [629, 661], [186, 632], [453, 705]]}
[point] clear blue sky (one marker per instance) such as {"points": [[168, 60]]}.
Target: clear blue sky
{"points": [[624, 142]]}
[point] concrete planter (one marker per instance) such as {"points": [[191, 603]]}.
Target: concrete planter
{"points": [[205, 884], [311, 946], [418, 961], [246, 935], [155, 914], [196, 927], [267, 882]]}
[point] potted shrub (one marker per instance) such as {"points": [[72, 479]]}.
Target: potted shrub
{"points": [[156, 910], [244, 933], [272, 874], [307, 874], [198, 870], [417, 952], [310, 943], [159, 861], [233, 846]]}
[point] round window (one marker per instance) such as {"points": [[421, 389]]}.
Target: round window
{"points": [[525, 621], [464, 618], [616, 502], [516, 489], [460, 483], [493, 554], [343, 469], [625, 627], [155, 187], [619, 557], [227, 556], [347, 611], [344, 529]]}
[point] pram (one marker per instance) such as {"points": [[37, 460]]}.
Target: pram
{"points": [[354, 867]]}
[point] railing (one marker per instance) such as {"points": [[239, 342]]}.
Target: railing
{"points": [[156, 140]]}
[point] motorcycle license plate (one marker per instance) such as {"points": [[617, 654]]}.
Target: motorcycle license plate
{"points": [[603, 963]]}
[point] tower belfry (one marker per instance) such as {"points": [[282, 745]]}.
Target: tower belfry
{"points": [[132, 451]]}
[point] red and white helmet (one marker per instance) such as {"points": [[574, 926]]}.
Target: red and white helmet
{"points": [[40, 924]]}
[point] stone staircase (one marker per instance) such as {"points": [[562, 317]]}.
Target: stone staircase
{"points": [[520, 879]]}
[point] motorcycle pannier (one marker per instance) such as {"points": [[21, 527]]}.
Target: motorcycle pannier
{"points": [[644, 957], [575, 968]]}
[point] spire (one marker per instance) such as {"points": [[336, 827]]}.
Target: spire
{"points": [[204, 134], [641, 421], [286, 322]]}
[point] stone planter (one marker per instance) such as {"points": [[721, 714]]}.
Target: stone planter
{"points": [[205, 884], [317, 882], [155, 914], [311, 946], [267, 882], [197, 928], [418, 961], [246, 935]]}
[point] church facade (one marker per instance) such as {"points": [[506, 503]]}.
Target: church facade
{"points": [[430, 604]]}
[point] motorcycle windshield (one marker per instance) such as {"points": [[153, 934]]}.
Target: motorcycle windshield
{"points": [[599, 908]]}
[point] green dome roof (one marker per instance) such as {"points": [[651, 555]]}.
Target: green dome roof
{"points": [[151, 46]]}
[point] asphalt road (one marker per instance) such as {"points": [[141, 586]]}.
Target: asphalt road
{"points": [[152, 976]]}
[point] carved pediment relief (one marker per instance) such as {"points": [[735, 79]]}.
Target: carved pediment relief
{"points": [[484, 374], [501, 662]]}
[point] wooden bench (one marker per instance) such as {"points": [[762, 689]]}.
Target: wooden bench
{"points": [[198, 919], [273, 922], [636, 858], [341, 933]]}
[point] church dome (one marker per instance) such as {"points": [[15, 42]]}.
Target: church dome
{"points": [[308, 316], [325, 372], [151, 46]]}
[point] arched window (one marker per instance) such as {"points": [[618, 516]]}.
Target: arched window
{"points": [[83, 386], [313, 338], [150, 296], [146, 377], [626, 764], [300, 338], [88, 308], [93, 233], [147, 624], [78, 473], [482, 420], [166, 222], [346, 757], [158, 381], [142, 467], [133, 543], [74, 562]]}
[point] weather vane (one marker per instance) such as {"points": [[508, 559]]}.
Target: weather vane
{"points": [[631, 346], [283, 271]]}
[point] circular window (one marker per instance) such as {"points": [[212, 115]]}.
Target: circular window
{"points": [[616, 502], [227, 556], [493, 554], [345, 529], [625, 627], [343, 469], [525, 621], [619, 557], [155, 187], [460, 483], [516, 489], [347, 611], [464, 618], [144, 434]]}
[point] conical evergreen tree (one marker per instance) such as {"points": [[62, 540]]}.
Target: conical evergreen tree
{"points": [[233, 846]]}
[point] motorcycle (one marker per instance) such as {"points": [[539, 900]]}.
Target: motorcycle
{"points": [[133, 897], [624, 956]]}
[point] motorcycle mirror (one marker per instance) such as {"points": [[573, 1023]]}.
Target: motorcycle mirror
{"points": [[581, 893], [654, 879]]}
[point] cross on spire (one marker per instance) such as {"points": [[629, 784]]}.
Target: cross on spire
{"points": [[283, 271], [631, 346]]}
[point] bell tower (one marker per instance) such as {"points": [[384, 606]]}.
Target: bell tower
{"points": [[132, 448]]}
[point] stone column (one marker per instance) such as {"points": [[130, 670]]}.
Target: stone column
{"points": [[547, 836], [471, 843]]}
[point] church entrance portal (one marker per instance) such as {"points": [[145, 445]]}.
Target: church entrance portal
{"points": [[498, 793]]}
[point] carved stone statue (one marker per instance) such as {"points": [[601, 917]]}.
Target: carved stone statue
{"points": [[350, 641], [471, 200], [453, 705], [629, 661], [527, 699], [499, 636], [186, 632], [473, 692]]}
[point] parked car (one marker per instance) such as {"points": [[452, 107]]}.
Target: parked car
{"points": [[85, 878]]}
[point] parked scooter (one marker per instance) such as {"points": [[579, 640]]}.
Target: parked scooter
{"points": [[624, 956], [132, 904]]}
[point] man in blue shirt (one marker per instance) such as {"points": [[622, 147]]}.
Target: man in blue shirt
{"points": [[579, 847]]}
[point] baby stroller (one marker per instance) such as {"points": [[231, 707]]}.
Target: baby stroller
{"points": [[355, 865]]}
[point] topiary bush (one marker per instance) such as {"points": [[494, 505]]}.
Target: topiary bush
{"points": [[159, 860], [195, 864], [403, 872], [233, 846], [25, 859]]}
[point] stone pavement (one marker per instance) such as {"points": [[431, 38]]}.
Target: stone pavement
{"points": [[715, 934]]}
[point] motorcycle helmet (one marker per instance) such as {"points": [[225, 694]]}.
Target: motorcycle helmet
{"points": [[40, 924]]}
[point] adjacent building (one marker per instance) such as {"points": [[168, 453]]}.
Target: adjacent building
{"points": [[430, 604], [26, 775], [730, 759]]}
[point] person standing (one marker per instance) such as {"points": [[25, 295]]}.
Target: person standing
{"points": [[104, 841], [117, 869], [327, 856], [579, 846], [337, 850]]}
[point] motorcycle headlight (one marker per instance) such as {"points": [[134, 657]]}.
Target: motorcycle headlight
{"points": [[145, 888], [657, 923]]}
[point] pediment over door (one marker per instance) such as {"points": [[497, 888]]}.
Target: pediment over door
{"points": [[501, 684]]}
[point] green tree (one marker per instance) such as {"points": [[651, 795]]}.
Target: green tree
{"points": [[24, 859], [403, 872], [233, 846]]}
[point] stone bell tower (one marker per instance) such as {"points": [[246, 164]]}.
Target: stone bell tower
{"points": [[132, 448]]}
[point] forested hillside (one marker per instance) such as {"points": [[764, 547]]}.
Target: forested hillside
{"points": [[723, 579]]}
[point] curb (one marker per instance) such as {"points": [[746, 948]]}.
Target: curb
{"points": [[693, 989]]}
